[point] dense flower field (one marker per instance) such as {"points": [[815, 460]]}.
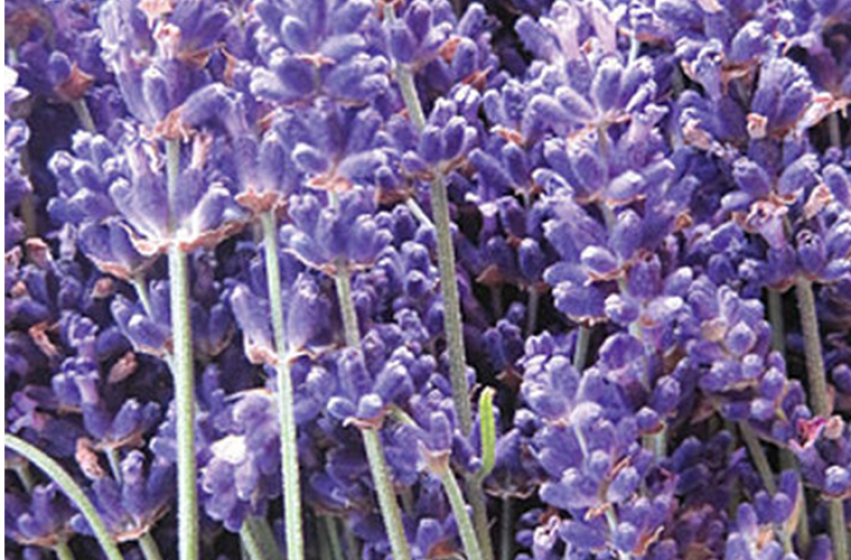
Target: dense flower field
{"points": [[428, 279]]}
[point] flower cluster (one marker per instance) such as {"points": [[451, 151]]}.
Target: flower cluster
{"points": [[418, 279]]}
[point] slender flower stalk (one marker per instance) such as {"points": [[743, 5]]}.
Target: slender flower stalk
{"points": [[71, 489], [149, 547], [389, 506], [286, 414], [333, 537], [819, 397], [63, 551], [583, 340], [775, 317], [83, 114], [258, 540], [184, 377], [462, 518]]}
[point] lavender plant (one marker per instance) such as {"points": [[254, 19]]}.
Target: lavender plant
{"points": [[421, 279]]}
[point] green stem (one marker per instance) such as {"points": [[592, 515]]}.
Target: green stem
{"points": [[114, 463], [352, 552], [775, 318], [63, 551], [25, 476], [580, 354], [333, 537], [532, 311], [184, 375], [760, 461], [462, 518], [389, 506], [149, 547], [71, 489], [451, 301], [506, 533], [286, 412], [386, 496], [257, 539], [812, 347], [83, 114]]}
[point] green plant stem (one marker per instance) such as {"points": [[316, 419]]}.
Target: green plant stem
{"points": [[286, 412], [83, 114], [257, 539], [184, 375], [333, 537], [775, 318], [532, 311], [386, 496], [506, 530], [389, 506], [812, 347], [451, 301], [580, 353], [462, 518], [63, 551], [71, 489], [149, 547], [25, 476], [760, 461]]}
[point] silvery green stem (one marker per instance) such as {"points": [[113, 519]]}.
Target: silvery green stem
{"points": [[812, 347], [286, 413], [184, 376], [451, 301], [506, 530], [63, 551], [820, 398], [387, 503], [257, 539], [83, 114], [149, 547], [760, 461], [775, 318], [462, 518], [333, 537], [580, 354], [71, 489], [26, 477]]}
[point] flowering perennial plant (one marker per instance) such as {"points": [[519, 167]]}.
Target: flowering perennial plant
{"points": [[421, 279]]}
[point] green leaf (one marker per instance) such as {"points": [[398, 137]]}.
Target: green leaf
{"points": [[487, 426]]}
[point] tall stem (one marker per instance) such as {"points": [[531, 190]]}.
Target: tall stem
{"points": [[820, 398], [149, 547], [184, 376], [387, 503], [462, 518], [71, 489], [286, 413], [257, 539], [390, 513], [333, 537], [580, 354], [812, 347], [83, 114], [506, 530], [63, 551], [775, 318]]}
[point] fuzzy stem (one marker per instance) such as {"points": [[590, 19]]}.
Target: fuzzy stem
{"points": [[838, 530], [451, 301], [386, 496], [149, 547], [286, 412], [71, 489], [333, 537], [389, 506], [352, 552], [580, 354], [775, 317], [506, 532], [462, 518], [63, 551], [83, 114], [812, 347], [26, 477], [760, 461], [184, 375], [257, 539]]}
